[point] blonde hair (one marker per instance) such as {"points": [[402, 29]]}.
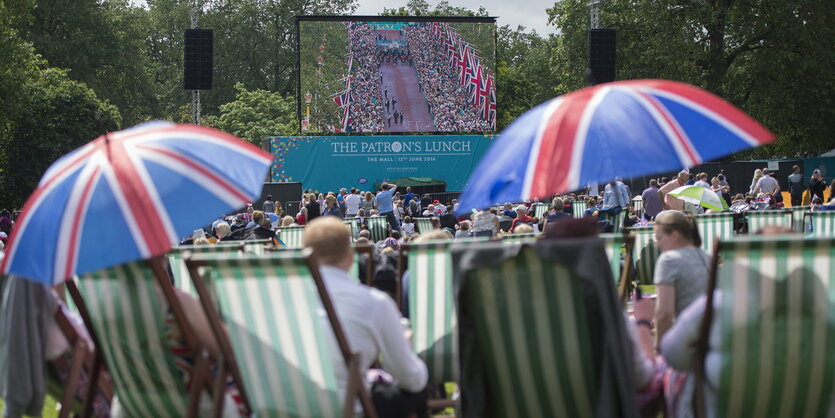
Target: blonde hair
{"points": [[329, 239], [258, 217], [287, 221], [684, 223], [523, 229]]}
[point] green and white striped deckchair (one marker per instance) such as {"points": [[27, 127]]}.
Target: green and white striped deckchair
{"points": [[258, 246], [531, 336], [424, 225], [823, 223], [276, 335], [799, 218], [182, 280], [578, 208], [757, 219], [613, 244], [638, 205], [432, 309], [378, 227], [644, 253], [292, 236], [540, 210], [719, 225], [353, 225], [530, 236], [777, 325], [128, 314]]}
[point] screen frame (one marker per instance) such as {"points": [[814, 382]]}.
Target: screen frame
{"points": [[378, 18]]}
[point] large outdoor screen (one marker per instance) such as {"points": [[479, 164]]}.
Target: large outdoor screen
{"points": [[377, 74]]}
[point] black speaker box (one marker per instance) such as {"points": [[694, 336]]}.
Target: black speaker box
{"points": [[198, 59], [602, 52]]}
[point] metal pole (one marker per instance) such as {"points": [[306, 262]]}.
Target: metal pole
{"points": [[594, 17]]}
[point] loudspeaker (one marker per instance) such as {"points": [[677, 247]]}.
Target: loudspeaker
{"points": [[198, 59], [602, 52]]}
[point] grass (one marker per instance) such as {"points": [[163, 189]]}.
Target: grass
{"points": [[49, 410]]}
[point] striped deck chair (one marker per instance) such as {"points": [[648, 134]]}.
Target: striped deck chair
{"points": [[644, 253], [527, 328], [292, 236], [353, 225], [638, 206], [823, 223], [424, 225], [777, 326], [757, 219], [613, 244], [578, 208], [800, 222], [276, 341], [378, 226], [125, 311], [182, 280], [540, 210], [713, 226], [519, 237]]}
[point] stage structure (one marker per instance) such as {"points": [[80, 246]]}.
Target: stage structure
{"points": [[386, 74], [328, 163]]}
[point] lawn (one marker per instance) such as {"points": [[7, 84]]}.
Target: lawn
{"points": [[49, 410]]}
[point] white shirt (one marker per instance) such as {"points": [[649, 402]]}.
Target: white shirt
{"points": [[352, 204], [702, 183], [767, 185], [371, 323]]}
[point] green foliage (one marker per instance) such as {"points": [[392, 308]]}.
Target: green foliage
{"points": [[257, 114]]}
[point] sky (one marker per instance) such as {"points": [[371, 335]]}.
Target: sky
{"points": [[528, 13]]}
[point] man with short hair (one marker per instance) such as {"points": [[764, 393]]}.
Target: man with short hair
{"points": [[651, 202], [671, 202], [796, 186], [340, 200], [817, 185], [702, 181], [352, 203], [384, 199], [369, 318], [408, 197], [615, 194], [269, 205], [767, 184]]}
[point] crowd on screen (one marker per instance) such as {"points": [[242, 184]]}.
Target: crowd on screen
{"points": [[367, 107], [448, 101]]}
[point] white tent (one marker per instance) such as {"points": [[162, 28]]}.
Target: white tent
{"points": [[829, 154]]}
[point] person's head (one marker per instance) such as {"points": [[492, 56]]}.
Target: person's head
{"points": [[343, 191], [330, 201], [434, 235], [430, 208], [287, 221], [384, 186], [523, 229], [795, 169], [521, 210], [816, 174], [330, 241], [653, 183], [714, 181], [436, 222], [269, 197], [721, 177], [249, 208], [465, 225], [766, 172], [558, 204], [369, 196], [278, 208], [365, 234], [450, 209], [303, 211], [408, 189], [407, 219], [675, 229], [758, 173], [395, 234], [683, 176], [361, 213], [703, 176], [258, 217], [223, 229], [202, 241]]}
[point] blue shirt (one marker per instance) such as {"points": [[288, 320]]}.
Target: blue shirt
{"points": [[408, 198], [384, 200], [616, 196]]}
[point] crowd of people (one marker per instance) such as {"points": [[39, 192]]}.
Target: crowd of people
{"points": [[367, 108], [448, 101]]}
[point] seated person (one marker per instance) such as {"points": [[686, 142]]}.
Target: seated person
{"points": [[371, 323]]}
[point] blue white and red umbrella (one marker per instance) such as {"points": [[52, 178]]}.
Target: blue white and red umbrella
{"points": [[130, 195], [625, 128]]}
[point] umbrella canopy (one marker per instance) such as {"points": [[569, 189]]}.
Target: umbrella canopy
{"points": [[130, 195], [625, 128], [701, 196]]}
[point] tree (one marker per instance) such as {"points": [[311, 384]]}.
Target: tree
{"points": [[257, 114]]}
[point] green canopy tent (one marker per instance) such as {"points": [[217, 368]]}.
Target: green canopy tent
{"points": [[420, 185]]}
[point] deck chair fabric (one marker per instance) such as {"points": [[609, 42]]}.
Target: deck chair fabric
{"points": [[292, 236], [182, 280], [519, 237], [612, 244], [638, 206], [823, 223], [777, 326], [432, 309], [353, 225], [720, 225], [644, 254], [578, 208], [424, 225], [540, 210], [800, 222], [279, 339], [757, 219], [377, 227], [541, 331], [129, 315]]}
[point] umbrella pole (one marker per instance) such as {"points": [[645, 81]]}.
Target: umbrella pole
{"points": [[95, 370]]}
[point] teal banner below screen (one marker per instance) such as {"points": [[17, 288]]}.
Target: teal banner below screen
{"points": [[328, 163]]}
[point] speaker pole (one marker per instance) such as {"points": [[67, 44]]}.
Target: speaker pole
{"points": [[195, 94]]}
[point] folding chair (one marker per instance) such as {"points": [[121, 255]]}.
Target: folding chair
{"points": [[644, 253], [279, 351], [179, 270], [541, 331], [613, 243], [292, 236], [713, 226], [799, 221], [823, 223], [578, 208], [353, 225], [777, 325], [757, 219], [124, 309], [540, 210], [424, 225], [638, 206], [378, 226]]}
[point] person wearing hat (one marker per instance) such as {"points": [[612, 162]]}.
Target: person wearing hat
{"points": [[521, 218], [817, 185]]}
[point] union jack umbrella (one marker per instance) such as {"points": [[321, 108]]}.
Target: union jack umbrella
{"points": [[624, 128], [130, 195]]}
